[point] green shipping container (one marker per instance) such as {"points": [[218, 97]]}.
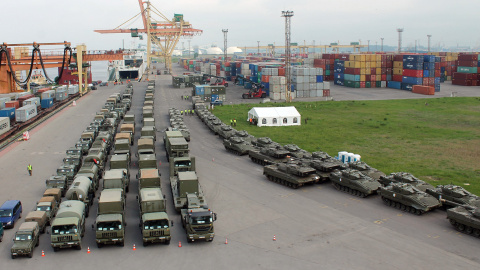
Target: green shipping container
{"points": [[467, 69], [327, 72], [352, 84], [378, 84], [368, 84]]}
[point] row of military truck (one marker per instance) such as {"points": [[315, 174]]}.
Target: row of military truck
{"points": [[77, 180], [294, 167], [188, 197]]}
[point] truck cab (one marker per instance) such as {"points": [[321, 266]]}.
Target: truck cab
{"points": [[25, 240], [68, 227], [49, 205], [197, 220], [57, 181]]}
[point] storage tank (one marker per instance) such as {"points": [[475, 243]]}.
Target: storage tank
{"points": [[79, 190]]}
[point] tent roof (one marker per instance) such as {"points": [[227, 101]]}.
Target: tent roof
{"points": [[275, 111]]}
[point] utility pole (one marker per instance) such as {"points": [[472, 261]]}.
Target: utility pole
{"points": [[287, 15], [429, 36], [225, 31], [382, 43], [258, 47], [400, 31], [368, 42], [189, 49]]}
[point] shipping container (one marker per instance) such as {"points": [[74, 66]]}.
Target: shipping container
{"points": [[2, 102], [4, 125], [46, 103], [8, 112], [25, 113], [48, 94], [33, 101], [61, 95], [12, 104]]}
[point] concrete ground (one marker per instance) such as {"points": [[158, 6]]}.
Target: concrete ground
{"points": [[316, 227]]}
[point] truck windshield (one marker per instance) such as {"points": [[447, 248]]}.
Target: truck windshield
{"points": [[43, 208], [5, 213], [64, 229], [23, 237], [73, 152], [201, 220], [63, 171], [184, 164], [155, 224], [109, 226]]}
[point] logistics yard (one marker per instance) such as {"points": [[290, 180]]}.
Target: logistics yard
{"points": [[314, 226]]}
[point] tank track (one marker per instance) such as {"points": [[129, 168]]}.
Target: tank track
{"points": [[259, 161], [233, 151], [282, 182], [465, 228], [349, 190], [402, 206]]}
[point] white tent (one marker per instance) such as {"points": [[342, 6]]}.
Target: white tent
{"points": [[275, 116]]}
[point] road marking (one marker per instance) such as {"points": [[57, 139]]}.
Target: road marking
{"points": [[287, 195], [399, 215]]}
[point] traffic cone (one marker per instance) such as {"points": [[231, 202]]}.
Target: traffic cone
{"points": [[179, 243], [226, 241], [213, 159], [26, 136], [43, 253], [88, 250], [134, 248], [274, 238], [74, 103]]}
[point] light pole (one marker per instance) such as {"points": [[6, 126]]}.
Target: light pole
{"points": [[382, 43], [288, 15], [429, 36], [400, 31], [368, 48], [225, 31], [258, 47]]}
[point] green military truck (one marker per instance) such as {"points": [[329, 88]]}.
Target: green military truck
{"points": [[147, 161], [68, 171], [120, 162], [197, 219], [181, 164], [57, 181], [145, 146], [176, 147], [68, 227], [122, 146], [40, 217], [149, 122], [117, 178], [185, 183], [82, 190], [25, 240], [110, 223], [96, 156], [149, 132], [154, 220], [48, 205], [129, 119], [74, 160], [90, 170], [148, 178]]}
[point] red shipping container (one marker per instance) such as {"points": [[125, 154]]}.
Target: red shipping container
{"points": [[413, 73], [425, 81], [474, 82], [384, 77], [437, 73], [397, 78], [384, 71], [12, 104], [398, 57], [467, 63], [281, 72], [328, 62], [468, 57], [319, 61], [362, 84], [462, 76], [373, 78], [431, 81], [437, 65], [424, 90], [265, 78], [22, 99], [475, 76]]}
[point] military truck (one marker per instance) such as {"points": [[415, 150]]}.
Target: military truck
{"points": [[40, 217], [87, 136], [126, 136], [121, 109], [365, 169], [129, 119], [226, 131], [153, 217], [117, 178], [127, 101], [108, 127], [354, 182], [128, 128], [120, 162], [101, 145], [74, 160], [186, 183], [181, 164], [292, 174], [269, 155], [48, 205], [408, 198], [25, 240], [149, 96], [145, 146], [110, 223], [90, 170], [149, 132], [465, 219], [197, 219], [147, 161], [74, 151], [96, 156], [56, 193], [57, 181], [68, 227], [177, 147], [93, 128], [148, 178], [107, 137], [68, 171], [403, 177], [452, 196], [296, 151], [122, 147], [238, 146], [171, 134], [147, 112], [82, 190]]}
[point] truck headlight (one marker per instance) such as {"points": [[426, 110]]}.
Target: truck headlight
{"points": [[9, 223]]}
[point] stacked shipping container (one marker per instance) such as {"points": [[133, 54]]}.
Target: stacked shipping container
{"points": [[467, 70]]}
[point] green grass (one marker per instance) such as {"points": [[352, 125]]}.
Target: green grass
{"points": [[438, 142]]}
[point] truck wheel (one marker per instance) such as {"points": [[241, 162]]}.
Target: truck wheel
{"points": [[167, 242], [264, 95], [30, 255], [44, 227], [145, 244], [55, 249], [79, 247], [99, 245], [121, 243], [13, 256], [244, 96], [128, 188], [38, 242]]}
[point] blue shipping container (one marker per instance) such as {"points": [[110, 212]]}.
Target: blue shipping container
{"points": [[340, 76], [413, 65], [437, 87], [413, 58], [339, 82], [426, 73], [319, 78], [46, 103], [412, 80], [214, 97], [394, 84], [437, 80], [429, 58], [8, 112], [429, 66]]}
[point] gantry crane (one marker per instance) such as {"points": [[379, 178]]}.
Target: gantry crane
{"points": [[164, 33]]}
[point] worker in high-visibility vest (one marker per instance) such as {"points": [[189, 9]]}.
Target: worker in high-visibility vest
{"points": [[234, 122], [29, 168]]}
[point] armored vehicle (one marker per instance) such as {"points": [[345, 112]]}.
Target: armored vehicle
{"points": [[365, 169], [40, 217], [117, 178], [145, 146], [408, 198], [48, 205], [244, 135], [465, 219], [324, 164], [354, 182], [26, 239], [291, 174], [57, 181], [208, 118], [68, 227], [452, 195], [186, 183], [197, 219], [82, 189], [110, 222], [153, 217], [238, 146], [264, 142], [214, 125], [226, 131], [149, 132], [403, 177], [269, 155], [68, 171], [296, 151], [75, 161]]}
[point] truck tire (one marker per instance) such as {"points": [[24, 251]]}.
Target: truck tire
{"points": [[264, 95], [55, 249], [30, 255], [79, 247], [226, 84], [167, 242], [244, 96], [145, 244], [38, 242], [13, 257], [121, 243], [99, 245]]}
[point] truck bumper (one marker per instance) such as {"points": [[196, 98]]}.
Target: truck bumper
{"points": [[157, 239], [66, 244], [109, 241], [201, 237]]}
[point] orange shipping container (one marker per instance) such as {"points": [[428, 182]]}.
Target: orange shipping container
{"points": [[424, 90]]}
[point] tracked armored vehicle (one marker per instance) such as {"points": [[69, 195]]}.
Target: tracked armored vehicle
{"points": [[264, 142], [465, 219], [226, 131], [269, 155], [354, 182], [452, 195], [291, 174], [365, 169], [238, 145], [297, 152], [408, 198], [404, 177], [244, 135], [324, 164]]}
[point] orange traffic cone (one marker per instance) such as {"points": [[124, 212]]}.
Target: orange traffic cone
{"points": [[88, 250], [226, 241], [274, 238], [74, 103], [43, 253], [134, 248], [179, 243]]}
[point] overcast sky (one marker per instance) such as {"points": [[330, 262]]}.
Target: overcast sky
{"points": [[248, 21]]}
